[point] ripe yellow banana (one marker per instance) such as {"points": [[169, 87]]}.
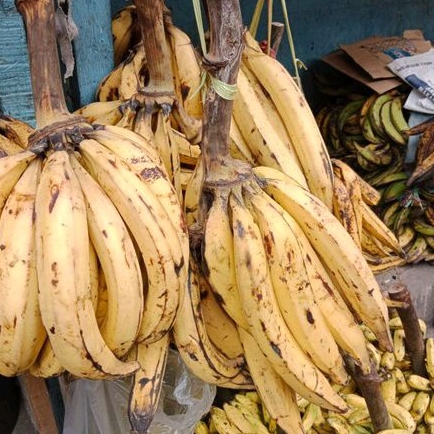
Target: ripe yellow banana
{"points": [[132, 73], [108, 87], [15, 130], [218, 256], [62, 246], [117, 255], [101, 112], [270, 109], [153, 231], [221, 423], [11, 168], [221, 329], [193, 343], [264, 142], [277, 396], [264, 318], [399, 344], [239, 147], [124, 30], [236, 418], [167, 146], [352, 182], [22, 333], [193, 192], [345, 212], [147, 383], [420, 405], [8, 146], [298, 118], [388, 388], [375, 226], [186, 70], [286, 261], [336, 248], [339, 319], [46, 364]]}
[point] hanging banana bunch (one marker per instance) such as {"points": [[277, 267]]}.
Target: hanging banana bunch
{"points": [[283, 268], [154, 91], [100, 268]]}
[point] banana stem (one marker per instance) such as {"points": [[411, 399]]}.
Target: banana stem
{"points": [[369, 386], [150, 18], [410, 322], [222, 61], [48, 97]]}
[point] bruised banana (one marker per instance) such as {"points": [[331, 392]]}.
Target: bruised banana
{"points": [[286, 260], [63, 274], [337, 250], [153, 231], [22, 333], [298, 118], [264, 318]]}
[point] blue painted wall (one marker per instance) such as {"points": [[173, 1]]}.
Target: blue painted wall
{"points": [[318, 27]]}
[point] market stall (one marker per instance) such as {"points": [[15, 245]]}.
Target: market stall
{"points": [[198, 234]]}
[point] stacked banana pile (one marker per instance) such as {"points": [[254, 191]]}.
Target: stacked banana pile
{"points": [[409, 399], [370, 133]]}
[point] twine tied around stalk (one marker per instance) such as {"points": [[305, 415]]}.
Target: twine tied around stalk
{"points": [[207, 80]]}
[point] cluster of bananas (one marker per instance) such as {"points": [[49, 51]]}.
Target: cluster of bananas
{"points": [[244, 266], [370, 133], [83, 219], [409, 399], [353, 203], [244, 413], [240, 325]]}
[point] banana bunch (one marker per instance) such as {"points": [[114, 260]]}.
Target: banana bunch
{"points": [[292, 280], [244, 413], [353, 200], [167, 110], [368, 130], [89, 219]]}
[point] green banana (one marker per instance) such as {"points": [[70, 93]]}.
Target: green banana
{"points": [[397, 115], [388, 125], [413, 255], [402, 218], [421, 226], [378, 154], [350, 109], [394, 191], [374, 114], [368, 132]]}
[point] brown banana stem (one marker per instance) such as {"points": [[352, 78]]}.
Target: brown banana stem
{"points": [[222, 62], [150, 18], [369, 386], [410, 322], [48, 96]]}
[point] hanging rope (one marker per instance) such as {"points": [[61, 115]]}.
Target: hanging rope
{"points": [[224, 90]]}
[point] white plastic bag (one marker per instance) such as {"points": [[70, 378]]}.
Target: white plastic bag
{"points": [[100, 407]]}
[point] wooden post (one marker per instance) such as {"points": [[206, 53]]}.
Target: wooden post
{"points": [[38, 403]]}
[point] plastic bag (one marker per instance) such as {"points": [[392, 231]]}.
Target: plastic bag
{"points": [[101, 407]]}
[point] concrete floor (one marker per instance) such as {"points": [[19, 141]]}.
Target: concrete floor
{"points": [[419, 279]]}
